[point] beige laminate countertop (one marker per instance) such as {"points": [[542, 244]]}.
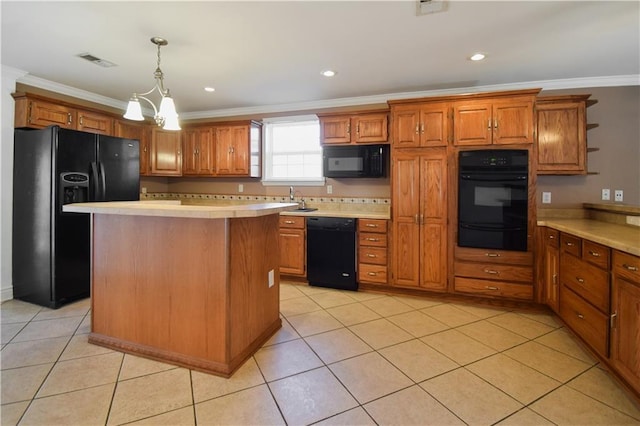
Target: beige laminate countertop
{"points": [[355, 214], [176, 209], [620, 237]]}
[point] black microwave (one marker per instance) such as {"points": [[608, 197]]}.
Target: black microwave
{"points": [[355, 161]]}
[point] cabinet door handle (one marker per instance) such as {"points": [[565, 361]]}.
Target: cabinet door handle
{"points": [[492, 272], [81, 121], [489, 124], [492, 254], [69, 120], [612, 320], [570, 244], [289, 235], [551, 237], [372, 239], [629, 267], [495, 124], [371, 225], [579, 315], [580, 280], [417, 128], [348, 129], [422, 128], [358, 129], [371, 255], [288, 222], [373, 274], [554, 279], [490, 287], [415, 219], [594, 253]]}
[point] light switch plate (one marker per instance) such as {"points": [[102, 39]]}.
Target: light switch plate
{"points": [[329, 189], [272, 278], [618, 195], [606, 195], [240, 187], [546, 198]]}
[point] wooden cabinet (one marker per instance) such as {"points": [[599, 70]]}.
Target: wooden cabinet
{"points": [[585, 290], [165, 153], [487, 121], [625, 317], [551, 268], [372, 251], [344, 129], [419, 211], [493, 273], [94, 122], [237, 149], [133, 130], [562, 134], [198, 152], [421, 125], [293, 245]]}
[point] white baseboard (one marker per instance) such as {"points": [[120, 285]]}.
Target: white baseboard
{"points": [[6, 294]]}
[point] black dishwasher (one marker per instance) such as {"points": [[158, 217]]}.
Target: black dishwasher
{"points": [[331, 252]]}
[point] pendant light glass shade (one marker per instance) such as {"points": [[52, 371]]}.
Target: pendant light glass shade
{"points": [[134, 110], [171, 123], [167, 107]]}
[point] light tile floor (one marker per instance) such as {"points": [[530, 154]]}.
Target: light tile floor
{"points": [[341, 358]]}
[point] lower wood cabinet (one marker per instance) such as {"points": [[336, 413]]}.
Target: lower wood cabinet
{"points": [[493, 273], [625, 317], [372, 251], [293, 245], [551, 268]]}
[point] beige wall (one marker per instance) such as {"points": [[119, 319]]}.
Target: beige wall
{"points": [[618, 161]]}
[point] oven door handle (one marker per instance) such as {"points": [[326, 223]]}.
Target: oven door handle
{"points": [[495, 228], [493, 178]]}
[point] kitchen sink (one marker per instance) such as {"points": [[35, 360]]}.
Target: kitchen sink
{"points": [[306, 209]]}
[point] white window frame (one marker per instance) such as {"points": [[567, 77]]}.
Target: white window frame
{"points": [[266, 152]]}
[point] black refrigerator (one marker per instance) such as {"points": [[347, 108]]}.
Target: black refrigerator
{"points": [[52, 167]]}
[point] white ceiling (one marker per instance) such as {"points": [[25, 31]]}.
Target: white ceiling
{"points": [[261, 55]]}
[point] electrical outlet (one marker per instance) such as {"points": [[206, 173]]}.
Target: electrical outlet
{"points": [[606, 195], [240, 187], [144, 189], [546, 198], [329, 189], [618, 195]]}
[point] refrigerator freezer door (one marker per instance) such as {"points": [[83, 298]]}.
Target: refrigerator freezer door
{"points": [[119, 168]]}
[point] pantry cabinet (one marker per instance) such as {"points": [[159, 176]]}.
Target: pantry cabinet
{"points": [[421, 125], [625, 317], [198, 152], [361, 128], [419, 211], [165, 153], [293, 245], [562, 134], [489, 121]]}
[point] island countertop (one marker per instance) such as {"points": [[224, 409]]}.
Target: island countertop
{"points": [[171, 208]]}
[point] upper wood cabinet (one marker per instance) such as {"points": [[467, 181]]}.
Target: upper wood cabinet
{"points": [[419, 211], [198, 152], [342, 129], [136, 130], [165, 153], [237, 149], [562, 134], [93, 122], [487, 121], [421, 125]]}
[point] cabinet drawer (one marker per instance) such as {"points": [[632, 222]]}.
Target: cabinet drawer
{"points": [[571, 244], [551, 237], [493, 288], [292, 222], [494, 256], [590, 282], [626, 265], [596, 254], [372, 239], [374, 255], [372, 273], [372, 225], [584, 319], [490, 271]]}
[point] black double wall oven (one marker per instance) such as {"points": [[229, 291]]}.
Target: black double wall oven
{"points": [[493, 199]]}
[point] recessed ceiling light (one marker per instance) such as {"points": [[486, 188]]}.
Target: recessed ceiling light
{"points": [[328, 73], [209, 89], [477, 56]]}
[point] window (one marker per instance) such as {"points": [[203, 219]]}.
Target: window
{"points": [[292, 152]]}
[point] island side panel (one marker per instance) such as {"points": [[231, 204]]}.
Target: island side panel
{"points": [[161, 282], [254, 306]]}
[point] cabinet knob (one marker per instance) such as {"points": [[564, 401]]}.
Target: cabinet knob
{"points": [[371, 255], [579, 315], [371, 225], [372, 239], [288, 222], [373, 274], [551, 237], [492, 254], [570, 244], [490, 287], [580, 280], [492, 272], [594, 253]]}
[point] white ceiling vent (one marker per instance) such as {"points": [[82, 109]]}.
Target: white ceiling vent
{"points": [[94, 59], [425, 7]]}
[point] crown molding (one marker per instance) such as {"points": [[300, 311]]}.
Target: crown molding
{"points": [[570, 83]]}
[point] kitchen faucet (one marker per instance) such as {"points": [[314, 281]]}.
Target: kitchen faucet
{"points": [[291, 193]]}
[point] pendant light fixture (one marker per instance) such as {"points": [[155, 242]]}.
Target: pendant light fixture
{"points": [[166, 115]]}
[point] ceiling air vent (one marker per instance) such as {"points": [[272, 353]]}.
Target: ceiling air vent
{"points": [[94, 59], [425, 7]]}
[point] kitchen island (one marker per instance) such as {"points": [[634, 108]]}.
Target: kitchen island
{"points": [[196, 286]]}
